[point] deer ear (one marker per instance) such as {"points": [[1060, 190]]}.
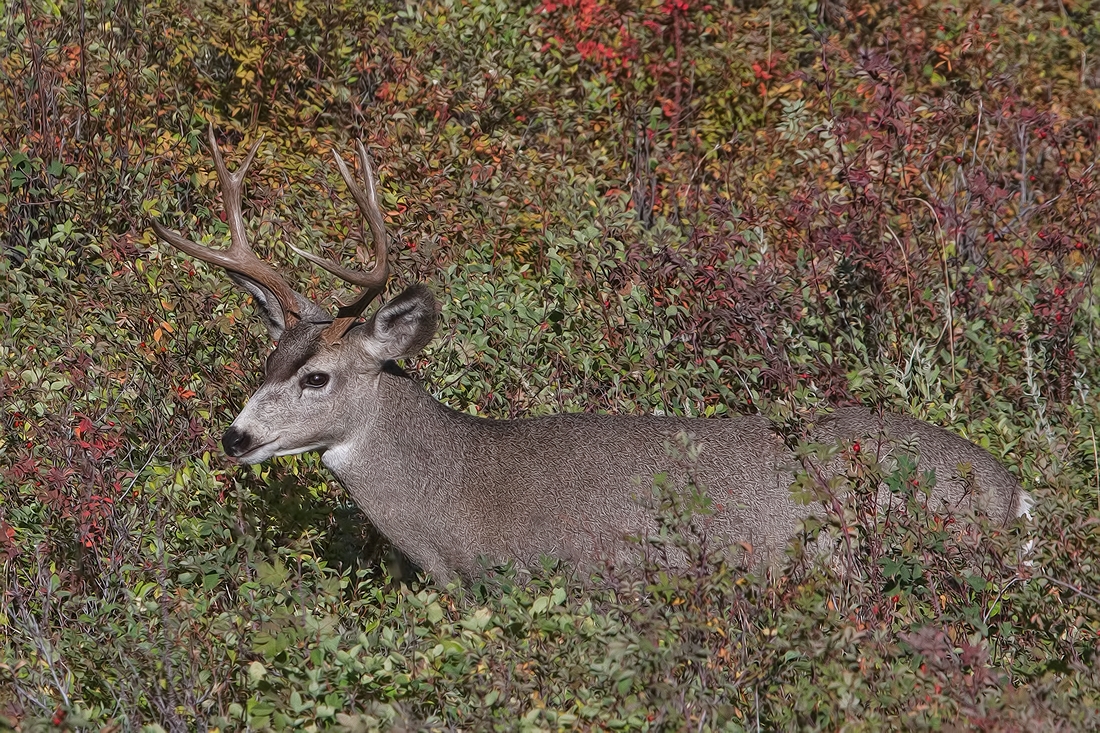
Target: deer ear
{"points": [[401, 327], [270, 308]]}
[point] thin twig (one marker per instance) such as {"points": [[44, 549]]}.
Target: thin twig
{"points": [[908, 276], [1095, 465], [1071, 587], [1000, 593], [946, 280]]}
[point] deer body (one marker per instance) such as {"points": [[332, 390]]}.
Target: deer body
{"points": [[449, 489]]}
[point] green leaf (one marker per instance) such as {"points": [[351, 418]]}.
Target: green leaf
{"points": [[256, 672]]}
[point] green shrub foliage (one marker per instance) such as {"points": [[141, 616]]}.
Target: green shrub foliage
{"points": [[769, 206]]}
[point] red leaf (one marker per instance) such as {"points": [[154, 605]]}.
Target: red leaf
{"points": [[84, 426]]}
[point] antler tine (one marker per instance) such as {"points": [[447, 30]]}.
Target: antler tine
{"points": [[239, 257], [232, 184], [373, 282]]}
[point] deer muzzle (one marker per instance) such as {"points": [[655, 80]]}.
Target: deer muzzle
{"points": [[236, 443]]}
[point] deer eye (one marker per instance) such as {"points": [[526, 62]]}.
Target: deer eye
{"points": [[315, 380]]}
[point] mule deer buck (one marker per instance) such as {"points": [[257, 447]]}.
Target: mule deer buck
{"points": [[449, 489]]}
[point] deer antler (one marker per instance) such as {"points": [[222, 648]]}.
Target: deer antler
{"points": [[374, 281], [239, 257]]}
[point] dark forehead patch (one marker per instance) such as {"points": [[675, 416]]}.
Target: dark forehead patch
{"points": [[298, 345]]}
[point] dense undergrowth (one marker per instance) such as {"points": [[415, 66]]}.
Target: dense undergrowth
{"points": [[770, 207]]}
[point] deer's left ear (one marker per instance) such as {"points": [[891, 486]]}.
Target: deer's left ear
{"points": [[401, 327]]}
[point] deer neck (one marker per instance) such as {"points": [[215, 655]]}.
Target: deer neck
{"points": [[399, 421]]}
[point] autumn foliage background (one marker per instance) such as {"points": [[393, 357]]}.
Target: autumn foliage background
{"points": [[695, 208]]}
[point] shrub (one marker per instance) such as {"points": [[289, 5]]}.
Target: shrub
{"points": [[666, 206]]}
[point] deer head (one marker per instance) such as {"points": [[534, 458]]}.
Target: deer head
{"points": [[319, 359]]}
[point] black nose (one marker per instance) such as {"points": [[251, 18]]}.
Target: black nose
{"points": [[235, 442]]}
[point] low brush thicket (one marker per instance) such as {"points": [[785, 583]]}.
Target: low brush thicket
{"points": [[700, 209]]}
